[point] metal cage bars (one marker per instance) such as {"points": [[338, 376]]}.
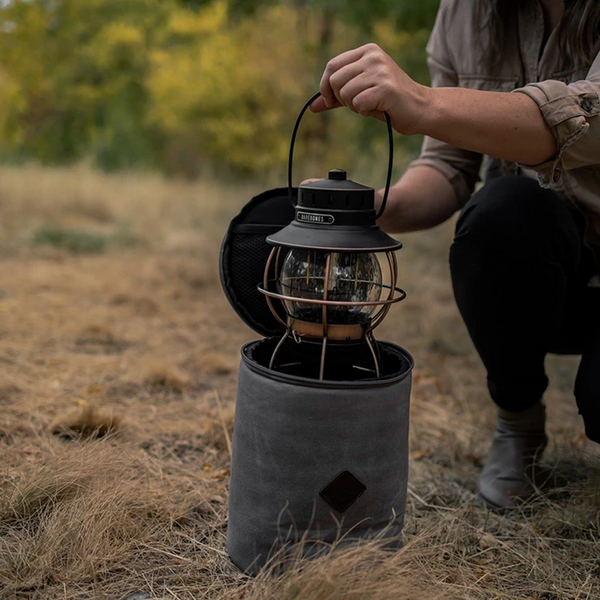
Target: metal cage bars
{"points": [[375, 321]]}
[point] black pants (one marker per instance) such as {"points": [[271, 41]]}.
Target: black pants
{"points": [[520, 273]]}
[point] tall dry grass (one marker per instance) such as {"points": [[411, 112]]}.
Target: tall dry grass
{"points": [[131, 209], [117, 386]]}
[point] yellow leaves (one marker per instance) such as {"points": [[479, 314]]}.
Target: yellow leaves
{"points": [[183, 24], [12, 102], [120, 36], [230, 91], [116, 46], [151, 82]]}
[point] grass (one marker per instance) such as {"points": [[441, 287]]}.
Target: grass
{"points": [[77, 242], [117, 387]]}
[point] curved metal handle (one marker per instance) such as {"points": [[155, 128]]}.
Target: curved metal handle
{"points": [[390, 154]]}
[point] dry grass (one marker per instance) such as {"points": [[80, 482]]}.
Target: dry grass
{"points": [[129, 356], [168, 377], [216, 363], [86, 422]]}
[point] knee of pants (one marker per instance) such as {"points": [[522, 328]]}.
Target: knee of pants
{"points": [[513, 215]]}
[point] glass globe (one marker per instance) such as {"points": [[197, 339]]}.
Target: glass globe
{"points": [[353, 277]]}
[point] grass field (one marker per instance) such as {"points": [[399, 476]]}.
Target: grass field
{"points": [[118, 360]]}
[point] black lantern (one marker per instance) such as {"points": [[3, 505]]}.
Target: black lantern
{"points": [[333, 269], [320, 442]]}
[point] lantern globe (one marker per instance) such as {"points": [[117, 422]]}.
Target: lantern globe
{"points": [[352, 278]]}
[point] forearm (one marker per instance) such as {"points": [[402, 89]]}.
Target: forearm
{"points": [[501, 124], [423, 198], [504, 125]]}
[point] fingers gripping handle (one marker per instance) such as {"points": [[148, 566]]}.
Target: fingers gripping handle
{"points": [[390, 153]]}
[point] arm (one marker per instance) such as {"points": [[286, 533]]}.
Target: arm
{"points": [[444, 176], [423, 198], [571, 111], [504, 125]]}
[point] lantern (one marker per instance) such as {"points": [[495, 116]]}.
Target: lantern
{"points": [[327, 271], [320, 445]]}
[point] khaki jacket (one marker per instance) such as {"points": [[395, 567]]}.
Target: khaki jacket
{"points": [[568, 99]]}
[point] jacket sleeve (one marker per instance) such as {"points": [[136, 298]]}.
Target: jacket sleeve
{"points": [[460, 167], [571, 111]]}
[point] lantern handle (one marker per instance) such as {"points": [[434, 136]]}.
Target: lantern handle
{"points": [[390, 154]]}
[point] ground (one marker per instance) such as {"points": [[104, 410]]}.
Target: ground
{"points": [[118, 361]]}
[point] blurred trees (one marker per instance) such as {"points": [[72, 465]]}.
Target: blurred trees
{"points": [[183, 85]]}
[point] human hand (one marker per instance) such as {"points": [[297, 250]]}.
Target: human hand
{"points": [[369, 82]]}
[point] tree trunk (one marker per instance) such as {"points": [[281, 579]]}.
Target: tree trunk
{"points": [[326, 34]]}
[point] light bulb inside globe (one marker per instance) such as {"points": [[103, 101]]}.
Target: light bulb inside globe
{"points": [[353, 277]]}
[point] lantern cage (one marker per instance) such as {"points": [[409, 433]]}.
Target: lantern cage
{"points": [[329, 283], [333, 299]]}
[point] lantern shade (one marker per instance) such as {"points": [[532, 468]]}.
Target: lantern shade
{"points": [[336, 214], [335, 239]]}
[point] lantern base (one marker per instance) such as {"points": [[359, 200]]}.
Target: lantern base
{"points": [[313, 330]]}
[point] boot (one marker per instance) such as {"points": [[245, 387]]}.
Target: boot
{"points": [[511, 471]]}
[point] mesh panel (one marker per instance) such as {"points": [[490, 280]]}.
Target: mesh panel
{"points": [[248, 257], [244, 256]]}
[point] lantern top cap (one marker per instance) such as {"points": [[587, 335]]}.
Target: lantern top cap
{"points": [[336, 180], [335, 214], [337, 174], [338, 193]]}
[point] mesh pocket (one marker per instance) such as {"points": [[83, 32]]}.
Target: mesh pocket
{"points": [[244, 255], [248, 255]]}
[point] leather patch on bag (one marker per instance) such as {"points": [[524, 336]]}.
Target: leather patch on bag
{"points": [[343, 491]]}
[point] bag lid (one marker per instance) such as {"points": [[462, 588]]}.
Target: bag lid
{"points": [[244, 254]]}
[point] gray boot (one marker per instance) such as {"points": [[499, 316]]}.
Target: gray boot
{"points": [[511, 471]]}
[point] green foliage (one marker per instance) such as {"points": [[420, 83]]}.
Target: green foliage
{"points": [[227, 97], [406, 15], [82, 91], [75, 242], [187, 84]]}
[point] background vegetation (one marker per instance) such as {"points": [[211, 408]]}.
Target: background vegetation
{"points": [[189, 86]]}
